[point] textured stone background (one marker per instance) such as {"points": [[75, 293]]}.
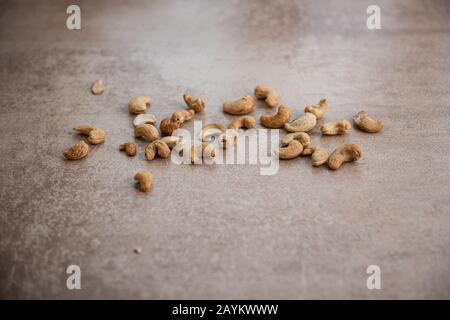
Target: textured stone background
{"points": [[224, 231]]}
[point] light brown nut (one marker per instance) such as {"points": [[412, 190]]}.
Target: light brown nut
{"points": [[198, 105], [246, 122], [168, 126], [145, 180], [364, 123], [309, 150], [144, 118], [146, 130], [157, 147], [319, 110], [98, 87], [319, 157], [293, 150], [199, 151], [173, 141], [129, 148], [95, 135], [264, 92], [336, 127], [77, 151], [278, 120], [303, 137], [139, 104], [241, 106], [305, 123], [344, 153], [182, 116], [211, 130]]}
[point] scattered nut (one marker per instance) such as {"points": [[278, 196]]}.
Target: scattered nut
{"points": [[364, 123], [302, 137], [293, 150], [309, 150], [168, 126], [344, 153], [246, 122], [145, 180], [198, 105], [173, 141], [264, 92], [211, 130], [139, 104], [241, 106], [129, 148], [77, 151], [319, 157], [157, 147], [305, 123], [182, 116], [199, 151], [278, 120], [319, 110], [95, 135], [146, 130], [97, 87], [336, 127], [144, 118]]}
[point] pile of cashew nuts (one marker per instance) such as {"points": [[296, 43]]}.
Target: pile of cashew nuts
{"points": [[294, 144]]}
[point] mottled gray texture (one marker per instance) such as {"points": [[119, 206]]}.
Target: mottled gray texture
{"points": [[224, 231]]}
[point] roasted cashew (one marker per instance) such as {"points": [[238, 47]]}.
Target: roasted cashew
{"points": [[303, 137], [367, 124], [264, 92], [241, 106], [157, 147], [336, 127], [145, 180], [77, 151], [344, 153], [293, 150], [146, 130], [129, 148], [95, 135], [198, 105], [278, 120], [182, 116], [173, 141], [144, 118], [246, 122], [305, 123], [97, 87], [139, 104], [207, 150], [319, 110], [319, 157]]}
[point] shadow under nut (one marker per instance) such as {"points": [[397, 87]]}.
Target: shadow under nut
{"points": [[293, 150], [278, 120], [344, 153], [241, 106]]}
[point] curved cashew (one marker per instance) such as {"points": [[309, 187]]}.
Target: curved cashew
{"points": [[97, 87], [264, 92], [144, 118], [77, 151], [319, 110], [207, 150], [246, 122], [278, 120], [302, 137], [344, 153], [157, 147], [139, 104], [95, 135], [173, 141], [241, 106], [145, 180], [305, 123], [168, 126], [146, 130], [211, 130], [198, 105], [309, 150], [364, 123], [129, 148], [182, 116], [336, 127], [319, 157], [293, 150]]}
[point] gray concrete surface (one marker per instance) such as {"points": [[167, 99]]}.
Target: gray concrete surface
{"points": [[224, 231]]}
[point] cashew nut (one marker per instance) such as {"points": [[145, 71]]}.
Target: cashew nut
{"points": [[202, 150], [319, 157], [264, 92], [278, 120], [146, 130], [364, 123], [168, 126], [95, 135], [139, 104], [293, 150], [173, 141], [157, 147], [344, 153], [302, 137], [97, 87], [211, 130], [305, 123], [198, 105], [309, 150], [77, 151], [145, 180], [182, 116], [144, 118], [336, 127], [241, 106], [319, 110], [246, 122], [129, 148]]}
